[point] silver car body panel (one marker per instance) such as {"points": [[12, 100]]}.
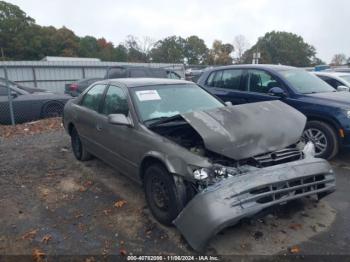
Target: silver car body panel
{"points": [[243, 131], [227, 202]]}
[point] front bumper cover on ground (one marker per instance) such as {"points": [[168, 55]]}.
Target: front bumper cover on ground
{"points": [[230, 200]]}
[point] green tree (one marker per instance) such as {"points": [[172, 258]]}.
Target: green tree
{"points": [[67, 42], [88, 46], [13, 22], [282, 48], [220, 54], [169, 50], [35, 43], [121, 53], [195, 50]]}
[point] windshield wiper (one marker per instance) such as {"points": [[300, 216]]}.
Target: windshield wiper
{"points": [[162, 120], [155, 120]]}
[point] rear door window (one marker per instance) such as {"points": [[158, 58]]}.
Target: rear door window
{"points": [[93, 97], [229, 79]]}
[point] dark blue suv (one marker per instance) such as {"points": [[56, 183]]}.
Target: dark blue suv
{"points": [[327, 110]]}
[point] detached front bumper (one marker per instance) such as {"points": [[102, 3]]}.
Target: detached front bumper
{"points": [[230, 200]]}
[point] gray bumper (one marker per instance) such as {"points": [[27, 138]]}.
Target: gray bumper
{"points": [[227, 202]]}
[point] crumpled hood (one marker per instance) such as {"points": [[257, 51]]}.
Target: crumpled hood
{"points": [[244, 131]]}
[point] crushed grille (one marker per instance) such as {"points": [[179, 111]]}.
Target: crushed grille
{"points": [[279, 157]]}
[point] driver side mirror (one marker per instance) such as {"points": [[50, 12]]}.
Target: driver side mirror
{"points": [[342, 89], [228, 103], [119, 119], [277, 91]]}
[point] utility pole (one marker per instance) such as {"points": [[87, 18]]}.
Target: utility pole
{"points": [[9, 95]]}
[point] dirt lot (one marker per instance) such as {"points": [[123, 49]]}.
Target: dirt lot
{"points": [[54, 204]]}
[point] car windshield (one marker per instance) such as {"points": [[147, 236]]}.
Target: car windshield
{"points": [[304, 82], [346, 78], [164, 101]]}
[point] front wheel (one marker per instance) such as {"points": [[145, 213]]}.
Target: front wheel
{"points": [[324, 138], [78, 148], [162, 195]]}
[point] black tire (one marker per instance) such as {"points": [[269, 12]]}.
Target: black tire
{"points": [[162, 195], [79, 151], [52, 109], [328, 139]]}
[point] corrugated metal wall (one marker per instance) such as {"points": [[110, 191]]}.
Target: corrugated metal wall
{"points": [[54, 75]]}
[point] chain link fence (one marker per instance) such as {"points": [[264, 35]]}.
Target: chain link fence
{"points": [[29, 76], [6, 100]]}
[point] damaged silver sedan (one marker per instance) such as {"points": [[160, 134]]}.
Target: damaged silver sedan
{"points": [[204, 165]]}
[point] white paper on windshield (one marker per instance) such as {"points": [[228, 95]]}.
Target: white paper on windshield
{"points": [[148, 95]]}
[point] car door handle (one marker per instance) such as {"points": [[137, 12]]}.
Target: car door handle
{"points": [[98, 128]]}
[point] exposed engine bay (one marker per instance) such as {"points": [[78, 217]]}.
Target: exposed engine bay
{"points": [[181, 132]]}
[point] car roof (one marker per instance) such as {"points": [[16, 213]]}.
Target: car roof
{"points": [[331, 73], [138, 82], [254, 66]]}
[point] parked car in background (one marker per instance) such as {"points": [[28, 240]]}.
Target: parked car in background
{"points": [[204, 165], [327, 111], [338, 80], [173, 75], [135, 71], [77, 87], [29, 103], [193, 74]]}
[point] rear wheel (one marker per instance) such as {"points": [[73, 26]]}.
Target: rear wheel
{"points": [[163, 197], [324, 138], [78, 148], [52, 109]]}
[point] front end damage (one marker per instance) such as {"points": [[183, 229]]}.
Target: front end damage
{"points": [[226, 202], [256, 161]]}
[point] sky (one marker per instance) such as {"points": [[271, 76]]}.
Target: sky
{"points": [[322, 23]]}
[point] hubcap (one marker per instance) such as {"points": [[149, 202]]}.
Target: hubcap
{"points": [[317, 137], [160, 194]]}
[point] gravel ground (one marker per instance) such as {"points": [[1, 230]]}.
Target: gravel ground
{"points": [[53, 204]]}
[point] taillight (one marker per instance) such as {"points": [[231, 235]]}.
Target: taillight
{"points": [[73, 87]]}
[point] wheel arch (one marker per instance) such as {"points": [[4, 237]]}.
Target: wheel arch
{"points": [[44, 106], [151, 159], [331, 122]]}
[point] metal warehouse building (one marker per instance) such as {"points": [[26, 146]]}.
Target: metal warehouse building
{"points": [[54, 72]]}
